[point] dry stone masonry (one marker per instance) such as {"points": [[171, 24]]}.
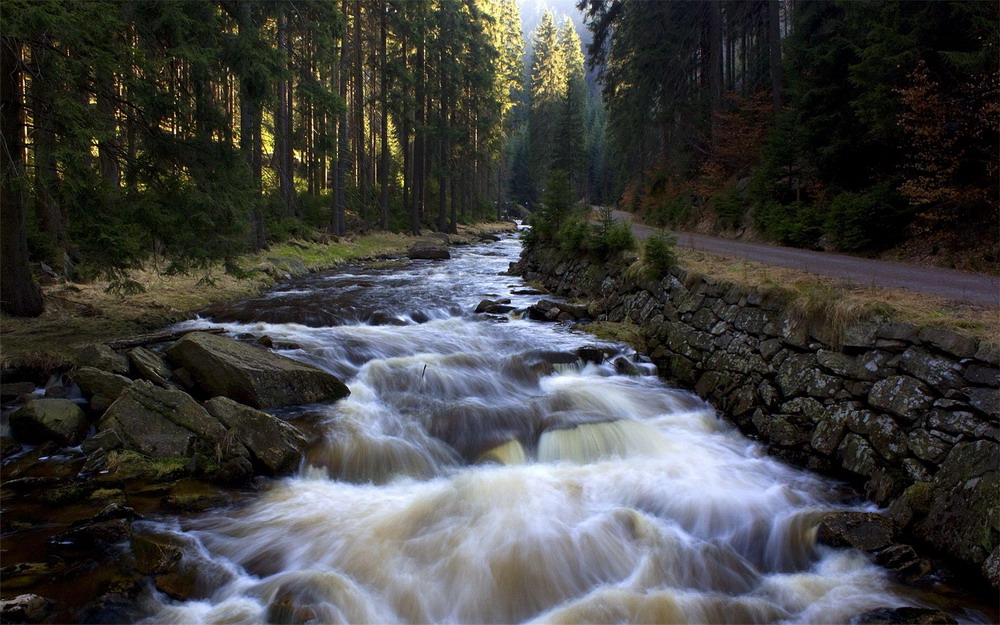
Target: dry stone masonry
{"points": [[909, 415]]}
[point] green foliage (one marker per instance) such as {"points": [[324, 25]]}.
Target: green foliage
{"points": [[659, 255], [617, 239], [795, 224], [729, 207], [875, 219]]}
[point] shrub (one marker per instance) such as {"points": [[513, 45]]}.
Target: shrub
{"points": [[658, 255], [574, 236], [867, 221]]}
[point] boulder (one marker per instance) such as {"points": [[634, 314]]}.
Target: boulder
{"points": [[424, 250], [100, 356], [14, 390], [41, 420], [251, 375], [165, 423], [102, 387], [272, 443], [865, 531], [150, 366]]}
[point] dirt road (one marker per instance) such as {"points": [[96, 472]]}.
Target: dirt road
{"points": [[958, 285]]}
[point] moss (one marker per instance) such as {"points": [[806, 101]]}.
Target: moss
{"points": [[615, 331], [129, 464]]}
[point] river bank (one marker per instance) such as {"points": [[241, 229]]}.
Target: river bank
{"points": [[77, 315]]}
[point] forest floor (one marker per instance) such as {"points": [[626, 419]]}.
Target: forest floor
{"points": [[78, 314], [835, 286]]}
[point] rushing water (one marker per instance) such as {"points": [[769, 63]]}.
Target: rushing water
{"points": [[470, 478]]}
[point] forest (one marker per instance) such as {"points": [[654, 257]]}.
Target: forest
{"points": [[185, 132]]}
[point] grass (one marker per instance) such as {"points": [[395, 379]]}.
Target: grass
{"points": [[77, 315], [836, 304]]}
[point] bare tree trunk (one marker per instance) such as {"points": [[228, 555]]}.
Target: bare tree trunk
{"points": [[384, 157], [340, 191], [250, 120], [774, 49], [19, 293], [47, 208], [416, 210], [715, 56]]}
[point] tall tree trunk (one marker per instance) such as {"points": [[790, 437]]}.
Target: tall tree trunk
{"points": [[416, 210], [19, 293], [361, 158], [250, 120], [107, 146], [384, 157], [774, 50], [283, 122], [340, 192], [715, 56], [47, 208]]}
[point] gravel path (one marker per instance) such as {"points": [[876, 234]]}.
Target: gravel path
{"points": [[974, 288]]}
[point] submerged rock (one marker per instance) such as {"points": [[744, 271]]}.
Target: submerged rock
{"points": [[41, 420], [251, 375], [904, 616], [24, 609], [865, 531]]}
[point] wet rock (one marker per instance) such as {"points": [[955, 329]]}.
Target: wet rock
{"points": [[24, 609], [160, 422], [155, 554], [857, 455], [496, 307], [528, 292], [594, 354], [8, 447], [424, 250], [93, 534], [901, 395], [100, 356], [273, 444], [102, 387], [865, 531], [150, 366], [266, 341], [904, 616], [105, 441], [41, 420], [251, 375], [625, 367], [13, 390], [928, 447]]}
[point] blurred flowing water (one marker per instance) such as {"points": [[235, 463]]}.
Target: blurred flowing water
{"points": [[480, 473]]}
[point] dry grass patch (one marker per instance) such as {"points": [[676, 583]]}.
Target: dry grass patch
{"points": [[77, 315]]}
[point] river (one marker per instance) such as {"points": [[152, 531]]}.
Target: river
{"points": [[474, 476]]}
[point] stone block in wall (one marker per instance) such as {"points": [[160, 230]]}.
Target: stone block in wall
{"points": [[767, 394], [831, 428], [691, 303], [906, 332], [882, 432], [859, 335], [885, 484], [900, 395], [794, 333], [784, 430], [704, 319], [769, 348], [982, 375], [989, 353], [877, 362], [843, 365], [950, 342], [952, 420], [679, 368], [805, 406], [799, 375], [857, 456], [752, 320], [937, 371], [926, 446], [985, 400], [741, 401]]}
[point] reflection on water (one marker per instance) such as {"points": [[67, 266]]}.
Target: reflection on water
{"points": [[472, 477]]}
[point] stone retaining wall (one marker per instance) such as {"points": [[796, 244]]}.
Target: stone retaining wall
{"points": [[908, 415]]}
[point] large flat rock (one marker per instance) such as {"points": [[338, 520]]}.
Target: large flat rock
{"points": [[251, 375]]}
